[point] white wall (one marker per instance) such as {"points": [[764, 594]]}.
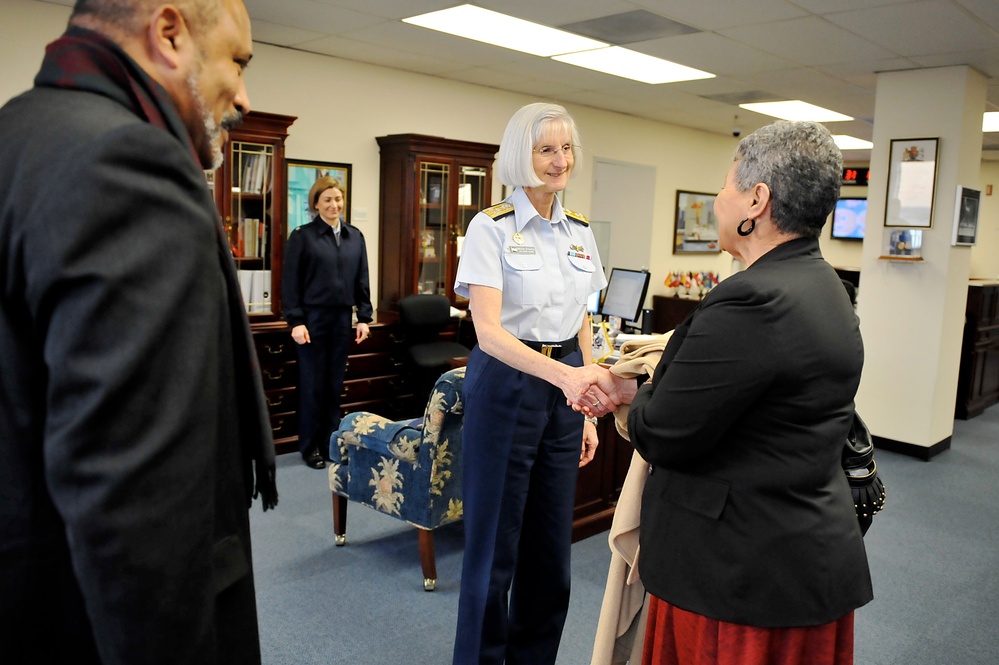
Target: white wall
{"points": [[985, 255], [342, 106]]}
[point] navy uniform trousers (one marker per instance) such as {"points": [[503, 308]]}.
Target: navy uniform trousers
{"points": [[521, 461], [321, 367]]}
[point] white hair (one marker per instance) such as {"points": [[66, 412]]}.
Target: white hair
{"points": [[515, 164]]}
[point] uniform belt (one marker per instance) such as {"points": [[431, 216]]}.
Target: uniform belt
{"points": [[554, 350]]}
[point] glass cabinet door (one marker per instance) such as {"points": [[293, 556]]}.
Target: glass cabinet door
{"points": [[472, 197], [433, 235], [248, 223]]}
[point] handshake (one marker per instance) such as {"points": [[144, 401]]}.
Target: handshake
{"points": [[595, 391]]}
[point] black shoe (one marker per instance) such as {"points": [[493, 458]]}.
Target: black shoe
{"points": [[314, 459]]}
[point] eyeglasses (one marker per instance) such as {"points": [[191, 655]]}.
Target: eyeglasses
{"points": [[549, 151]]}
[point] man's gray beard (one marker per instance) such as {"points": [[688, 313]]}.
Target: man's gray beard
{"points": [[213, 130]]}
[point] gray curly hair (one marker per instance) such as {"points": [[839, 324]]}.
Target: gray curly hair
{"points": [[802, 166]]}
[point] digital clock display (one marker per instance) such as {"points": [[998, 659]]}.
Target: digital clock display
{"points": [[856, 176]]}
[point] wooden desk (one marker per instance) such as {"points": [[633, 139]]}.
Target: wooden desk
{"points": [[668, 312]]}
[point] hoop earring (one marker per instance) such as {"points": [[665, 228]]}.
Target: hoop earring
{"points": [[745, 232]]}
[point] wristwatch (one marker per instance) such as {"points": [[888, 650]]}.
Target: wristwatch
{"points": [[590, 419]]}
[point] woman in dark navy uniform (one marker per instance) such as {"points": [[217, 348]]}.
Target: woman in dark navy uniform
{"points": [[527, 267], [325, 277]]}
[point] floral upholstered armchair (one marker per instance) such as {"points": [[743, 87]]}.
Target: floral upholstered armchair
{"points": [[410, 469]]}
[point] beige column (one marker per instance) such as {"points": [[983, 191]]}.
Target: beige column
{"points": [[912, 313]]}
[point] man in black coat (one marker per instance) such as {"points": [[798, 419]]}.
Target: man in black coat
{"points": [[133, 431]]}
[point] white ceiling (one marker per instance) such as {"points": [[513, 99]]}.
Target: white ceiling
{"points": [[826, 52]]}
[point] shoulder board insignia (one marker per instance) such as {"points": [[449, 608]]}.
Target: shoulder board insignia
{"points": [[575, 216], [499, 210]]}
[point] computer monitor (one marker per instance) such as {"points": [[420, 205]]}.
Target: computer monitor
{"points": [[625, 293], [849, 219]]}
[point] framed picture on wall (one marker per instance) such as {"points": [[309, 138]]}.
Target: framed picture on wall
{"points": [[912, 175], [695, 227], [966, 216], [302, 174]]}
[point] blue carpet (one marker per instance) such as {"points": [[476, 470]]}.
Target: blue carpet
{"points": [[934, 556]]}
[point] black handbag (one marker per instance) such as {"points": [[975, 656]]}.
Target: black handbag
{"points": [[862, 473]]}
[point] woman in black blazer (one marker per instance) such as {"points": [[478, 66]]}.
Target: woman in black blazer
{"points": [[750, 545]]}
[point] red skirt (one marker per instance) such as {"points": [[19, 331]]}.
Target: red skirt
{"points": [[678, 637]]}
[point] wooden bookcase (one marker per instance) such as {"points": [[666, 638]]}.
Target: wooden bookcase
{"points": [[431, 188]]}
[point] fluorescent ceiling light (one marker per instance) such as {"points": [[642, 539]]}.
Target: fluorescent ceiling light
{"points": [[497, 29], [844, 142], [796, 110], [990, 121], [633, 65]]}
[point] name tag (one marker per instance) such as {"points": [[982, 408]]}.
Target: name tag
{"points": [[514, 249]]}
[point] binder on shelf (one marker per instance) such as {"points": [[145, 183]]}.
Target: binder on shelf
{"points": [[260, 292], [245, 286]]}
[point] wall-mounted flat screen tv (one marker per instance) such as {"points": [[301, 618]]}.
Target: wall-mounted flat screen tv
{"points": [[849, 219]]}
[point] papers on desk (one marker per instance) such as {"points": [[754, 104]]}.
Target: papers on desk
{"points": [[625, 337]]}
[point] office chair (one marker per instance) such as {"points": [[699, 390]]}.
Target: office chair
{"points": [[423, 317]]}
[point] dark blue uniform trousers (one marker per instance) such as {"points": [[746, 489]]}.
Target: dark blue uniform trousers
{"points": [[521, 461], [321, 368]]}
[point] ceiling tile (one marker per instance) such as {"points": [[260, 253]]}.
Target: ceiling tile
{"points": [[985, 10], [712, 52], [628, 27], [821, 7], [865, 74], [808, 85], [309, 15], [281, 35], [928, 27], [379, 55], [718, 14], [462, 52], [986, 62], [809, 41], [391, 9], [555, 12]]}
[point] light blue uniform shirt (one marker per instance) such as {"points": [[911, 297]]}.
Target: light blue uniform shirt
{"points": [[545, 269]]}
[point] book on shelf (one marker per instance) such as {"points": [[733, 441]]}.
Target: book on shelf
{"points": [[251, 238], [256, 173]]}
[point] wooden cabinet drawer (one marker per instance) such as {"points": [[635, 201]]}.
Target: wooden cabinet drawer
{"points": [[362, 365], [284, 426], [276, 347], [279, 375], [283, 400], [373, 388], [382, 338]]}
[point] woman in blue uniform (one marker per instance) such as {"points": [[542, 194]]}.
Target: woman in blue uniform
{"points": [[527, 267], [325, 277]]}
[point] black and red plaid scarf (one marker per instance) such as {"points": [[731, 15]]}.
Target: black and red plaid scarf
{"points": [[86, 60]]}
